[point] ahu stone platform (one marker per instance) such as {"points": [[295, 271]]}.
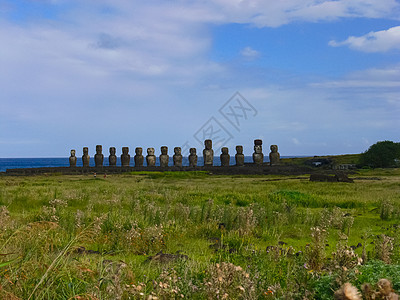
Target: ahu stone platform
{"points": [[257, 167], [247, 169]]}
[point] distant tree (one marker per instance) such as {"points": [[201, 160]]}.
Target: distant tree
{"points": [[381, 155]]}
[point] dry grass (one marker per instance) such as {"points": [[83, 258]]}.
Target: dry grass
{"points": [[75, 237]]}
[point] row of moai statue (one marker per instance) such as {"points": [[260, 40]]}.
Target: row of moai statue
{"points": [[208, 155]]}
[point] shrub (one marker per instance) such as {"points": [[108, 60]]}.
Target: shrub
{"points": [[381, 155]]}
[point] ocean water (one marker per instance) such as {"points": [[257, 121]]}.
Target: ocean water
{"points": [[14, 163]]}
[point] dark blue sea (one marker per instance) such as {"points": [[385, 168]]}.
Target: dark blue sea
{"points": [[13, 163]]}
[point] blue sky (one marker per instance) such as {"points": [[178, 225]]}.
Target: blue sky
{"points": [[314, 77]]}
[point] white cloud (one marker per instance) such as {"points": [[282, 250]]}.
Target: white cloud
{"points": [[377, 78], [117, 70], [296, 141], [249, 53], [273, 13], [379, 41]]}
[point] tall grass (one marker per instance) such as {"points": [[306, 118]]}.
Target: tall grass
{"points": [[77, 237]]}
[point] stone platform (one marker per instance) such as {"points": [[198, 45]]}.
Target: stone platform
{"points": [[247, 169]]}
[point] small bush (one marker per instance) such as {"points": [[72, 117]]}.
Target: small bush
{"points": [[381, 155]]}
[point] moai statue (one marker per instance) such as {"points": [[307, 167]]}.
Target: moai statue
{"points": [[225, 157], [208, 153], [274, 156], [139, 157], [164, 157], [258, 156], [177, 157], [125, 157], [72, 159], [192, 157], [112, 158], [150, 158], [99, 157], [239, 156], [85, 157]]}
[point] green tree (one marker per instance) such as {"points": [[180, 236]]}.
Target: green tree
{"points": [[381, 155]]}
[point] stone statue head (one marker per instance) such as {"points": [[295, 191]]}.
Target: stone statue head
{"points": [[208, 144], [224, 150], [192, 151], [164, 150], [73, 152], [112, 151], [85, 150], [258, 146], [258, 149], [239, 149], [150, 151], [138, 151], [274, 148], [177, 150], [125, 150], [99, 148]]}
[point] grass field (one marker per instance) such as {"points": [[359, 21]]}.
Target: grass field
{"points": [[221, 237]]}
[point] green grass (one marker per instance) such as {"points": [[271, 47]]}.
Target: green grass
{"points": [[213, 219], [336, 159]]}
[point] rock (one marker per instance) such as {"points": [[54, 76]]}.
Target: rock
{"points": [[161, 257], [330, 178], [323, 178], [342, 177]]}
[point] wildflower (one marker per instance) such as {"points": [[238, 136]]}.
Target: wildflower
{"points": [[347, 291]]}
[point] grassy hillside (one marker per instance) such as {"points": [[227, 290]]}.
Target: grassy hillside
{"points": [[336, 159]]}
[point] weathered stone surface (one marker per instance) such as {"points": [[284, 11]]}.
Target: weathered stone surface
{"points": [[323, 178], [258, 156], [225, 157], [139, 158], [208, 153], [342, 177], [177, 157], [164, 157], [338, 177], [161, 257], [72, 159], [99, 157], [231, 170], [85, 157], [239, 156], [150, 158], [274, 156], [125, 157], [192, 157], [112, 158]]}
